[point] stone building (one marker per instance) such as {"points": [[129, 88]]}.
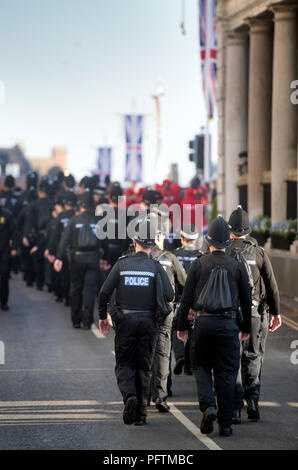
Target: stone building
{"points": [[257, 128], [58, 161]]}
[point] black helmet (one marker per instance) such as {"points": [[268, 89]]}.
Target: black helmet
{"points": [[116, 192], [219, 233], [239, 222], [85, 200], [9, 182], [44, 186], [70, 199], [145, 237], [31, 179], [151, 197], [69, 181]]}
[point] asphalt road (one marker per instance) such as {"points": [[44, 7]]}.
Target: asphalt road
{"points": [[58, 389]]}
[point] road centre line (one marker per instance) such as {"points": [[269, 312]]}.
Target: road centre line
{"points": [[206, 441]]}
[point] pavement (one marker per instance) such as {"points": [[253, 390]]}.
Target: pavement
{"points": [[58, 389]]}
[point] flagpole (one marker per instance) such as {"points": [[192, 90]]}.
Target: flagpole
{"points": [[207, 88]]}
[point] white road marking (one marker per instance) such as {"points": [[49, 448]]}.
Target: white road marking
{"points": [[289, 322], [209, 443], [49, 403]]}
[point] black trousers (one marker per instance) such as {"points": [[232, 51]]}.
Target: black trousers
{"points": [[4, 277], [134, 344], [84, 281], [215, 347], [39, 268], [248, 384]]}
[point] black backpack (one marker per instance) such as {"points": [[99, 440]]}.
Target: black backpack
{"points": [[216, 293], [87, 239]]}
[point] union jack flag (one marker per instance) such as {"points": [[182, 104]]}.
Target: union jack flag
{"points": [[104, 162], [134, 138], [208, 46]]}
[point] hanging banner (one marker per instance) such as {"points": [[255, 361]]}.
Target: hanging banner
{"points": [[208, 46], [134, 141], [104, 162]]}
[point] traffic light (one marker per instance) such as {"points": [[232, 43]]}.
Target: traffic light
{"points": [[197, 156]]}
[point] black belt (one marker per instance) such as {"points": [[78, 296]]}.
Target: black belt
{"points": [[229, 315], [126, 311], [86, 253]]}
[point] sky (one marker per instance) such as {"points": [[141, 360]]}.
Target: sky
{"points": [[72, 68]]}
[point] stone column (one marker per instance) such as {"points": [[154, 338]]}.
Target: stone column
{"points": [[284, 150], [236, 114], [221, 27], [259, 110]]}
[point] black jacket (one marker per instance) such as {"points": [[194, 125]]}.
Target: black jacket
{"points": [[61, 223], [199, 275], [133, 277], [70, 236], [6, 230], [265, 286], [187, 255]]}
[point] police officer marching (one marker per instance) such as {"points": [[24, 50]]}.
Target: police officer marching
{"points": [[265, 312], [190, 250], [134, 277], [215, 286], [86, 252], [161, 380]]}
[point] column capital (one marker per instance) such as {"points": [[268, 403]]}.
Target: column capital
{"points": [[236, 38], [284, 11], [259, 25]]}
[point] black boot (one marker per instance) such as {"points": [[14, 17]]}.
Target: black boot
{"points": [[209, 416], [237, 417], [162, 405], [225, 431], [253, 410]]}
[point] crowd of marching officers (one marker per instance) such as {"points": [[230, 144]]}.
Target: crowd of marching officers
{"points": [[203, 304]]}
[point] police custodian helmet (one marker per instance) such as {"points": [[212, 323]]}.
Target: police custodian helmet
{"points": [[239, 222], [219, 233]]}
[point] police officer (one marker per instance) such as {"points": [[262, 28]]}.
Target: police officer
{"points": [[8, 199], [7, 248], [37, 219], [26, 259], [161, 383], [190, 250], [215, 342], [86, 251], [62, 220], [265, 312], [133, 277]]}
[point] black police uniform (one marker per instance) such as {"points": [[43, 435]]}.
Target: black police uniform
{"points": [[133, 277], [37, 218], [6, 236], [186, 255], [84, 266], [265, 299], [63, 278], [215, 342], [27, 264], [162, 353]]}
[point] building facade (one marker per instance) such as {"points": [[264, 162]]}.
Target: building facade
{"points": [[58, 161], [257, 116]]}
